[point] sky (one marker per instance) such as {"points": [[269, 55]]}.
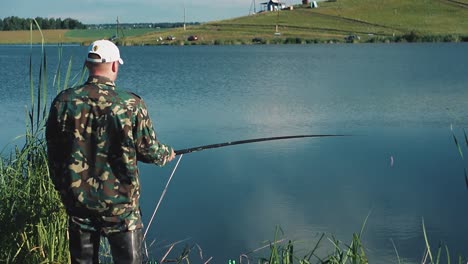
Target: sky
{"points": [[131, 11]]}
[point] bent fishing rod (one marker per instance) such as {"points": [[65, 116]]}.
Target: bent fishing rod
{"points": [[246, 141]]}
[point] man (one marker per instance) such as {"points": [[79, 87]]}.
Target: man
{"points": [[95, 135]]}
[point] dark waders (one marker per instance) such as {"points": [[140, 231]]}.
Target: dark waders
{"points": [[125, 246]]}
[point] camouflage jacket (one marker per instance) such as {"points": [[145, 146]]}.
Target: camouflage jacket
{"points": [[95, 135]]}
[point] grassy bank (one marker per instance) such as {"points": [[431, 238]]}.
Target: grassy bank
{"points": [[333, 21]]}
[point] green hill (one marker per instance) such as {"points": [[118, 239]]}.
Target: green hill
{"points": [[332, 21]]}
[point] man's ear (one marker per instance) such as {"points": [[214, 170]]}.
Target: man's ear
{"points": [[114, 66]]}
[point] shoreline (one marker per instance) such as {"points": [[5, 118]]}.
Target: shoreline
{"points": [[245, 42]]}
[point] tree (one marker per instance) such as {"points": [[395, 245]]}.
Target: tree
{"points": [[53, 23]]}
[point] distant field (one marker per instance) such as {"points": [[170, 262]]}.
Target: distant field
{"points": [[66, 36], [24, 36], [88, 35]]}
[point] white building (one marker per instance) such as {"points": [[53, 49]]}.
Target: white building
{"points": [[272, 5]]}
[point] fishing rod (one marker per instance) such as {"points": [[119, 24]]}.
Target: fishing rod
{"points": [[231, 143]]}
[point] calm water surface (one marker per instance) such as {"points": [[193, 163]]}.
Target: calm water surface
{"points": [[398, 101]]}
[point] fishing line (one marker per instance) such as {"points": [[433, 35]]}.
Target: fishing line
{"points": [[181, 152], [162, 196]]}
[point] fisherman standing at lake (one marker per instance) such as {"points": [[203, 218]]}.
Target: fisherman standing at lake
{"points": [[95, 136]]}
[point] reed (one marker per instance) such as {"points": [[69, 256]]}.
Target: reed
{"points": [[437, 258], [461, 145], [341, 253], [32, 217], [338, 252]]}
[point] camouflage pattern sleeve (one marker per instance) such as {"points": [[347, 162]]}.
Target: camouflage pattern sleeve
{"points": [[148, 148]]}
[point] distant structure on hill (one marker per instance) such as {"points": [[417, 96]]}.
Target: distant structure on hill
{"points": [[275, 5], [272, 5]]}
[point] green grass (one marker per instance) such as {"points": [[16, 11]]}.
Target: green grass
{"points": [[424, 16], [32, 218]]}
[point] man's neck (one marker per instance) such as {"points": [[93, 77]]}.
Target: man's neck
{"points": [[98, 79]]}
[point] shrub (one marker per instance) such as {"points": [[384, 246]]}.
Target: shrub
{"points": [[293, 41], [259, 41], [411, 37]]}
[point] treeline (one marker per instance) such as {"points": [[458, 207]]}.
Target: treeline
{"points": [[17, 23]]}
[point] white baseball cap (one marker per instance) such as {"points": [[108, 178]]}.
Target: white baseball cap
{"points": [[106, 50]]}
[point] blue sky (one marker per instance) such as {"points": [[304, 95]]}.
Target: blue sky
{"points": [[130, 11]]}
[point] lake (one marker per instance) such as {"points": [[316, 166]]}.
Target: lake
{"points": [[399, 165]]}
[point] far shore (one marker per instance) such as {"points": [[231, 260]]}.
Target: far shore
{"points": [[57, 37]]}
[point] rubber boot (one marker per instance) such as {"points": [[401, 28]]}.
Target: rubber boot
{"points": [[84, 246], [126, 247]]}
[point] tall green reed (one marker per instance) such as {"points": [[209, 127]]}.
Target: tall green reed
{"points": [[283, 251], [437, 258], [460, 150], [32, 218], [342, 253], [353, 253]]}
